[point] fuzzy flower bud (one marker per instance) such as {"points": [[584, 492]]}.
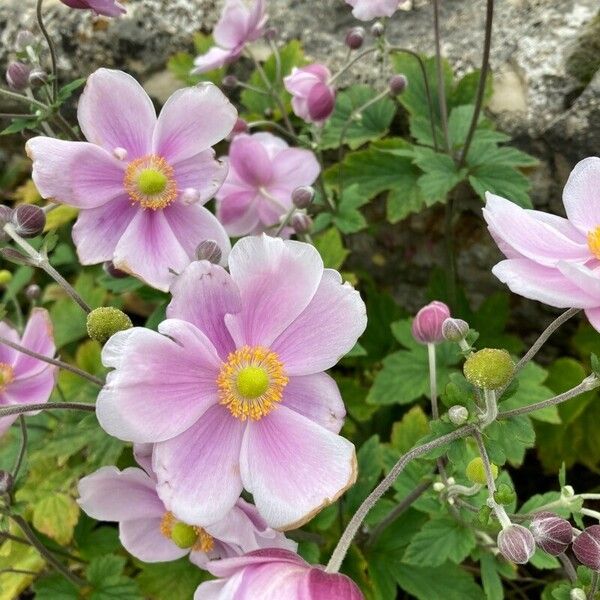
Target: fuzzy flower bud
{"points": [[303, 196], [458, 414], [377, 29], [455, 330], [24, 39], [397, 84], [104, 322], [33, 292], [552, 533], [6, 482], [516, 544], [577, 594], [229, 81], [38, 76], [209, 250], [301, 223], [5, 277], [29, 220], [475, 471], [587, 547], [17, 76], [427, 325], [355, 38], [489, 368]]}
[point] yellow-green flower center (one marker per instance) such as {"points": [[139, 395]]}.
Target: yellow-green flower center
{"points": [[151, 182], [7, 375], [593, 240], [252, 382], [184, 535]]}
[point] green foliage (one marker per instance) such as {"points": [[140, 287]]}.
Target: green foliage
{"points": [[181, 64]]}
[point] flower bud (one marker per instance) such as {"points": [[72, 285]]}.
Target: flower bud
{"points": [[112, 271], [458, 414], [303, 196], [17, 76], [229, 81], [6, 482], [104, 322], [15, 256], [24, 39], [38, 76], [475, 471], [397, 84], [455, 330], [438, 486], [577, 594], [209, 250], [355, 38], [587, 547], [427, 325], [301, 223], [29, 220], [184, 535], [271, 34], [552, 533], [5, 277], [321, 102], [489, 368], [33, 292], [377, 29], [516, 544]]}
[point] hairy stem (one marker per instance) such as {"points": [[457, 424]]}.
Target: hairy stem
{"points": [[433, 381], [568, 567], [22, 448], [440, 73], [51, 48], [19, 409]]}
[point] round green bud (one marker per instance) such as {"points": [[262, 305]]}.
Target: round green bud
{"points": [[184, 535], [475, 471], [489, 368], [504, 494], [5, 277], [104, 322]]}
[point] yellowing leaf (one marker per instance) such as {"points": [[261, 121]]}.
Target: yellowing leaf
{"points": [[56, 516], [60, 216]]}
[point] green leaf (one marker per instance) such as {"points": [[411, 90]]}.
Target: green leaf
{"points": [[371, 124], [182, 63], [105, 574], [465, 90], [459, 123], [66, 91], [19, 125], [407, 432], [166, 581], [93, 541], [440, 174], [331, 248], [347, 217], [56, 516], [492, 583], [55, 587], [510, 439]]}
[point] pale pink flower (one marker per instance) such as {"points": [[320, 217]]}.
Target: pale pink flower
{"points": [[24, 379], [263, 173], [313, 97], [139, 181], [427, 324], [107, 8], [549, 258], [366, 10], [231, 390], [147, 529], [238, 26], [274, 574]]}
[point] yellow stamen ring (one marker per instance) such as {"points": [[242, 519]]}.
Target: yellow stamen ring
{"points": [[150, 181], [198, 541], [7, 375], [593, 240], [251, 382]]}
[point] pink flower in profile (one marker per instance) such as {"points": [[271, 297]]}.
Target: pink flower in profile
{"points": [[139, 181], [313, 98], [549, 258], [152, 533], [107, 8], [237, 27], [24, 379], [427, 324], [231, 390], [263, 173], [366, 10], [274, 574]]}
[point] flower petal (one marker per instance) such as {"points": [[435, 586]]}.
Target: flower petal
{"points": [[319, 585], [250, 161], [215, 58], [581, 195], [191, 121], [75, 173], [32, 389], [326, 330], [198, 471], [294, 467], [143, 539], [593, 315], [38, 336], [8, 355], [230, 566], [162, 385], [293, 168], [203, 294], [225, 589], [237, 212], [232, 27], [583, 277], [203, 173], [318, 398], [277, 280]]}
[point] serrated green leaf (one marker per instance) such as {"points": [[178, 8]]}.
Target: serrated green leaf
{"points": [[167, 581], [56, 516], [331, 248]]}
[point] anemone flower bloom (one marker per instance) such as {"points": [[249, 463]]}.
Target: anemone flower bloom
{"points": [[237, 27], [139, 181], [274, 574], [366, 10], [151, 533], [549, 258], [263, 173], [231, 390], [313, 98], [107, 8], [24, 379]]}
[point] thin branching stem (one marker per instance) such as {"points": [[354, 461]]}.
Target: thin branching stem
{"points": [[440, 73], [19, 409], [51, 48], [22, 448]]}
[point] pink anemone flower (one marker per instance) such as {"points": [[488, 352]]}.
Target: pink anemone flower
{"points": [[107, 8], [151, 533], [263, 173], [313, 98], [237, 27], [231, 390], [274, 574], [139, 181], [366, 10], [24, 379], [549, 258]]}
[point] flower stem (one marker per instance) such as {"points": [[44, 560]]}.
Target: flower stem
{"points": [[22, 448], [440, 73], [491, 408], [568, 567], [51, 48], [351, 63], [433, 381], [19, 409], [25, 99]]}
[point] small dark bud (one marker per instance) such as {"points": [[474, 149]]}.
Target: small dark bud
{"points": [[398, 84], [17, 76], [301, 223], [104, 322], [5, 217], [587, 547], [302, 197], [6, 482], [377, 29], [112, 271], [209, 250], [355, 38], [229, 81], [271, 34], [33, 292], [552, 533], [15, 256], [516, 544], [29, 220], [24, 39], [38, 76], [268, 113], [455, 330]]}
